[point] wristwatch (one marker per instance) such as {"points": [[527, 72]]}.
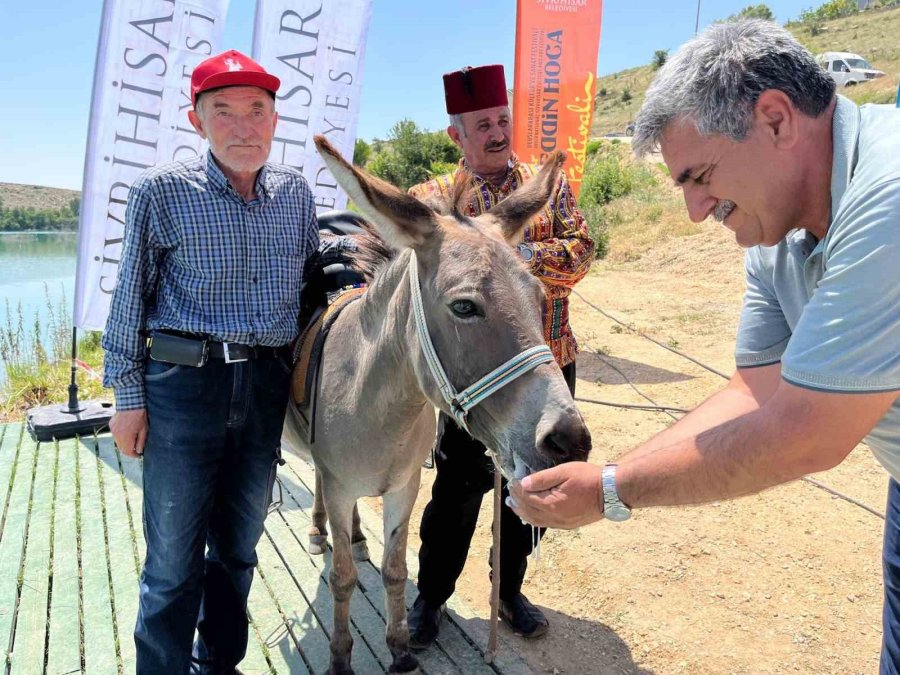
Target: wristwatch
{"points": [[525, 252], [613, 508]]}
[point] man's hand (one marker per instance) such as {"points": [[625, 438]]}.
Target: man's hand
{"points": [[566, 496], [129, 429]]}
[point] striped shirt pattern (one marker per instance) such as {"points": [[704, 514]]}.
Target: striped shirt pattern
{"points": [[557, 236], [198, 258]]}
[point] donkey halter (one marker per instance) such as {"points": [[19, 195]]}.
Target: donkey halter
{"points": [[462, 402]]}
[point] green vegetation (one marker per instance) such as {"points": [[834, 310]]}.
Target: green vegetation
{"points": [[870, 33], [412, 155], [36, 359], [659, 58], [29, 219], [760, 11], [610, 174]]}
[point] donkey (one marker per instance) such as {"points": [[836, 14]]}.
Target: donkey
{"points": [[375, 420]]}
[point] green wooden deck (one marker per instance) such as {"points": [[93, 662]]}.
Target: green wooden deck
{"points": [[71, 546]]}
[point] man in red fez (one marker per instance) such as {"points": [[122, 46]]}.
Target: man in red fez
{"points": [[212, 260], [558, 250]]}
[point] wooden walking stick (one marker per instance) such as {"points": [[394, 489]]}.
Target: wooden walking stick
{"points": [[491, 651]]}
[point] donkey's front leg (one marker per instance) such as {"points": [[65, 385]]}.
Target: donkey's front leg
{"points": [[397, 509], [318, 532], [342, 578]]}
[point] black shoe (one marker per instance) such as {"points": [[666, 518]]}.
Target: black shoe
{"points": [[525, 619], [424, 621]]}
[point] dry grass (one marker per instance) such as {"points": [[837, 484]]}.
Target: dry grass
{"points": [[14, 195], [874, 34]]}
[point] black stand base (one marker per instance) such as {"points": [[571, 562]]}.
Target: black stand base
{"points": [[55, 421]]}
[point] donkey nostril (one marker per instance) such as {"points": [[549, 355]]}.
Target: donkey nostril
{"points": [[566, 442], [554, 444]]}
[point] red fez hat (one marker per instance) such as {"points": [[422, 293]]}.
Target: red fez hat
{"points": [[475, 89], [230, 69]]}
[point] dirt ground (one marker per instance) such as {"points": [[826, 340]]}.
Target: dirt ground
{"points": [[786, 581]]}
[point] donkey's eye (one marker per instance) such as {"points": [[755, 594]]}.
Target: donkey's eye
{"points": [[464, 308]]}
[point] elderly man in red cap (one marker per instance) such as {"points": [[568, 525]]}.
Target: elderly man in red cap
{"points": [[558, 250], [212, 260]]}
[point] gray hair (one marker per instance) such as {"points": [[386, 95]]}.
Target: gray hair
{"points": [[716, 78], [456, 121]]}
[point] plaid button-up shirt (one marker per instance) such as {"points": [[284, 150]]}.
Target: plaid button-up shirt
{"points": [[198, 258]]}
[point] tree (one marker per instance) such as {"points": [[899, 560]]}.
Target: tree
{"points": [[362, 151], [412, 155], [760, 11], [659, 58]]}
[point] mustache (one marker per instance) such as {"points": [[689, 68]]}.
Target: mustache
{"points": [[496, 145], [723, 209]]}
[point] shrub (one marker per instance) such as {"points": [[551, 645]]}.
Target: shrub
{"points": [[607, 176], [626, 95], [760, 11], [659, 58]]}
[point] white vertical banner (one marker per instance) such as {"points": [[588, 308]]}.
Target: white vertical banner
{"points": [[317, 48], [142, 92]]}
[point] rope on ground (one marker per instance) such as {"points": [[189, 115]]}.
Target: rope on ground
{"points": [[653, 340], [666, 409]]}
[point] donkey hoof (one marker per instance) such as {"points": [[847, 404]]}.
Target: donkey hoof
{"points": [[360, 551], [317, 544], [406, 664]]}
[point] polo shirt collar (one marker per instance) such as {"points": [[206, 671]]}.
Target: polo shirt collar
{"points": [[845, 138]]}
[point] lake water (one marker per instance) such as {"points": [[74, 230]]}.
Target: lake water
{"points": [[33, 265]]}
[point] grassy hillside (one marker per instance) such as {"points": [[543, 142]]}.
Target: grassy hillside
{"points": [[15, 196], [874, 34]]}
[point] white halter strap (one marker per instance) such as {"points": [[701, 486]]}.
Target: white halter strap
{"points": [[461, 402]]}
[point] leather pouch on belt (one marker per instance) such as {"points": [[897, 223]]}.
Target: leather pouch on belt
{"points": [[176, 349]]}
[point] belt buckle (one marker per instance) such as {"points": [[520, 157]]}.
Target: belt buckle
{"points": [[227, 355]]}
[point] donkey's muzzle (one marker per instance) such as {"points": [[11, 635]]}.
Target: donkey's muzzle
{"points": [[568, 440]]}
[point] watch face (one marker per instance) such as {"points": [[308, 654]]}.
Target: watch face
{"points": [[616, 512]]}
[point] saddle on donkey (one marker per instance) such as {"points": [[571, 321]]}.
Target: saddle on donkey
{"points": [[331, 284]]}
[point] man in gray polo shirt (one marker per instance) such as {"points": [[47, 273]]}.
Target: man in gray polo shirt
{"points": [[751, 129]]}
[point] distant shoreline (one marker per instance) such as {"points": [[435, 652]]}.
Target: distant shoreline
{"points": [[38, 231]]}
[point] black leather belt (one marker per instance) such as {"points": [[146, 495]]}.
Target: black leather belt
{"points": [[194, 350], [232, 351]]}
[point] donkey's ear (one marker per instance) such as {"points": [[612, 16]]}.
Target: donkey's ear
{"points": [[401, 220], [514, 212]]}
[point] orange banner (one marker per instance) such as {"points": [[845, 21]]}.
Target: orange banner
{"points": [[555, 80]]}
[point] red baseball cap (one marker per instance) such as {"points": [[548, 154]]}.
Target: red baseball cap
{"points": [[230, 69], [475, 89]]}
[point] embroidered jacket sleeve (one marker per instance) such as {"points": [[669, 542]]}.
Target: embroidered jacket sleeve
{"points": [[565, 257], [123, 340]]}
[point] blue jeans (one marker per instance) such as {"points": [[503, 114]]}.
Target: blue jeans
{"points": [[209, 465], [890, 646]]}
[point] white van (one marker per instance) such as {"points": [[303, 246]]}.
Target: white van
{"points": [[847, 69]]}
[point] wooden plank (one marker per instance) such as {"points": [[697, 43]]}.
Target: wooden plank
{"points": [[368, 601], [64, 644], [121, 547], [100, 649], [307, 647], [268, 620], [254, 662], [134, 489], [31, 622], [12, 544], [9, 446]]}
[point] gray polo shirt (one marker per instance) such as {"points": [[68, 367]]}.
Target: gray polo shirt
{"points": [[829, 310]]}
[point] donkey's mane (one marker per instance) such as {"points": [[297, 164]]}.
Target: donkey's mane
{"points": [[372, 254]]}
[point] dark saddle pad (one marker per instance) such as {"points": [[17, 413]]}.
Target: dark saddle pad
{"points": [[327, 278]]}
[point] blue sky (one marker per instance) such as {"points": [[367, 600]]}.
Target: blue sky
{"points": [[48, 50]]}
